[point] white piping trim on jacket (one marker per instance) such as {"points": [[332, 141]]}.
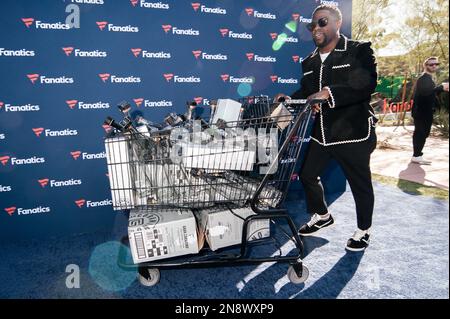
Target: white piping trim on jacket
{"points": [[333, 104], [345, 46], [309, 72], [370, 122], [341, 66], [321, 113]]}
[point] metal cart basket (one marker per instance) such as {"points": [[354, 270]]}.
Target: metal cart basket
{"points": [[246, 163]]}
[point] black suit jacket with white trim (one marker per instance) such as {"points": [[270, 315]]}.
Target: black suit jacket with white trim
{"points": [[349, 72]]}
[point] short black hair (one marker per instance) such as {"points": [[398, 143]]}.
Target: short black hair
{"points": [[334, 10]]}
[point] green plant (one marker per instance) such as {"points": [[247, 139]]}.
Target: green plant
{"points": [[440, 121]]}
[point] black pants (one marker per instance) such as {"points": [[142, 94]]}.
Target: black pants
{"points": [[354, 158], [422, 129]]}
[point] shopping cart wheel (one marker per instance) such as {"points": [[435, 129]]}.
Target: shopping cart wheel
{"points": [[294, 278], [148, 276]]}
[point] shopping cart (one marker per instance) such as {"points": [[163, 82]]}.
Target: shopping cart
{"points": [[246, 163]]}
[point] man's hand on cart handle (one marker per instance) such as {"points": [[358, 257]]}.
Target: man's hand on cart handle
{"points": [[317, 98]]}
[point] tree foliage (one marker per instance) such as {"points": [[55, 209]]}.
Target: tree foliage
{"points": [[424, 33]]}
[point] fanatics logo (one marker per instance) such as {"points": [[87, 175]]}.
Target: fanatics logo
{"points": [[104, 76], [28, 21], [224, 32], [45, 25], [114, 28], [295, 16], [296, 58], [1, 104], [75, 154], [102, 24], [4, 160], [38, 131], [117, 79], [10, 210], [205, 9], [180, 79], [225, 77], [68, 51], [178, 31], [85, 54], [67, 132], [33, 77], [258, 58], [283, 38], [231, 34], [198, 99], [72, 103], [195, 6], [197, 53], [252, 12], [150, 5], [207, 56], [136, 51], [166, 27], [80, 202], [168, 76], [43, 182], [277, 79], [147, 103], [47, 80], [138, 101]]}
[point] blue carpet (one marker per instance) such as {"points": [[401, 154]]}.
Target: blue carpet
{"points": [[407, 258]]}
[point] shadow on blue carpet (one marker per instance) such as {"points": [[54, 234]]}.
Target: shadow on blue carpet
{"points": [[387, 269]]}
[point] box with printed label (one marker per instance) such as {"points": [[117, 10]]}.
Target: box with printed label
{"points": [[223, 228], [163, 233]]}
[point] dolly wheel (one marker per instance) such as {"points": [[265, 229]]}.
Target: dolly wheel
{"points": [[149, 276], [294, 278]]}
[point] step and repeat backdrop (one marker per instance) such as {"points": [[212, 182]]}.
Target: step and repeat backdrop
{"points": [[65, 66]]}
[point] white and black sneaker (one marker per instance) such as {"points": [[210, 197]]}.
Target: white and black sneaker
{"points": [[359, 241], [316, 223]]}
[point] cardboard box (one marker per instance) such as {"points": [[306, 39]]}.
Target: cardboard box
{"points": [[164, 233], [222, 228], [119, 172], [227, 110], [217, 157]]}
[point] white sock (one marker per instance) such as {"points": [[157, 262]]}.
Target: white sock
{"points": [[367, 231], [326, 216]]}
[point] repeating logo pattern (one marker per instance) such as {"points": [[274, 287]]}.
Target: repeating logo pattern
{"points": [[61, 83]]}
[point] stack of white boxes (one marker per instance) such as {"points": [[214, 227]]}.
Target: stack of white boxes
{"points": [[160, 234], [165, 233], [222, 228]]}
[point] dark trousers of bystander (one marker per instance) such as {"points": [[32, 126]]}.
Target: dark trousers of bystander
{"points": [[422, 129]]}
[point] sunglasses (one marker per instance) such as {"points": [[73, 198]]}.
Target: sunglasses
{"points": [[433, 64], [322, 22]]}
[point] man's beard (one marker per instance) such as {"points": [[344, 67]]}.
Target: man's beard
{"points": [[323, 43]]}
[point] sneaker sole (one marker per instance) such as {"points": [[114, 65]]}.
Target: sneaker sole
{"points": [[311, 234], [355, 249], [421, 163]]}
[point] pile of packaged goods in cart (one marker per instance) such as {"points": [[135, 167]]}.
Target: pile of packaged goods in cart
{"points": [[152, 169], [156, 234]]}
